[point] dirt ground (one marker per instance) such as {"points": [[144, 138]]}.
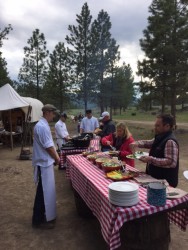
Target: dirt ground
{"points": [[72, 232]]}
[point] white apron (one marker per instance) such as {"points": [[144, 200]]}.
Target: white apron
{"points": [[60, 142], [48, 185]]}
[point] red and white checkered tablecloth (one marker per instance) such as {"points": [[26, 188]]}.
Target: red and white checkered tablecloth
{"points": [[94, 145], [92, 185]]}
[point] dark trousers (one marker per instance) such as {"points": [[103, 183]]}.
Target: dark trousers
{"points": [[39, 207]]}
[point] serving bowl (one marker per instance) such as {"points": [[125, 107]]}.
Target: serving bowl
{"points": [[86, 153], [92, 157], [110, 166], [101, 160]]}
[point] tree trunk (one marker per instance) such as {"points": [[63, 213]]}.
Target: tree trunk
{"points": [[173, 105]]}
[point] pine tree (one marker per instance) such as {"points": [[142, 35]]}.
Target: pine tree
{"points": [[165, 44], [4, 33], [80, 40], [113, 56], [4, 78], [33, 71], [58, 82], [101, 56]]}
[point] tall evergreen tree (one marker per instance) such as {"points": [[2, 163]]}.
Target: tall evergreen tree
{"points": [[4, 78], [113, 56], [125, 87], [165, 44], [33, 71], [101, 40], [79, 38], [58, 81], [4, 33]]}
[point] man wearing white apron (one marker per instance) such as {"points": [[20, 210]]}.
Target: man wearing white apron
{"points": [[43, 159], [61, 132]]}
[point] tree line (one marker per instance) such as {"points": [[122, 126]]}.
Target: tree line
{"points": [[87, 69], [165, 43]]}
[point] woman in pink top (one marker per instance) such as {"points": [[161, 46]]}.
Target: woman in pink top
{"points": [[120, 140]]}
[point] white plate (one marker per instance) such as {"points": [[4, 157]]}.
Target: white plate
{"points": [[123, 186], [185, 173], [173, 193], [125, 204], [137, 155]]}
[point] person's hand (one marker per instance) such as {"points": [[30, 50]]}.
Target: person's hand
{"points": [[133, 146], [108, 143], [145, 159], [97, 131], [57, 160]]}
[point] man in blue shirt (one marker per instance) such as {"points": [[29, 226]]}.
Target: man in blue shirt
{"points": [[89, 123]]}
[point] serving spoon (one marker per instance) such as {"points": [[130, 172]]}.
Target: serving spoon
{"points": [[113, 148]]}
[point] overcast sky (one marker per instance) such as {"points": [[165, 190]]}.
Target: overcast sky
{"points": [[52, 17]]}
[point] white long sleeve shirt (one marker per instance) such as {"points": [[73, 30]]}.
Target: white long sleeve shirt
{"points": [[61, 133]]}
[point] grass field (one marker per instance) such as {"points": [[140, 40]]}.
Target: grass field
{"points": [[133, 114]]}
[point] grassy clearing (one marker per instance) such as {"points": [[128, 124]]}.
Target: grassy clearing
{"points": [[133, 114]]}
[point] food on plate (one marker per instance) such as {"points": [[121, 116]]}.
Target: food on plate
{"points": [[113, 152], [118, 175], [131, 156], [137, 155]]}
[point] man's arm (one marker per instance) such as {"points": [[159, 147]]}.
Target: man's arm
{"points": [[52, 152], [170, 156]]}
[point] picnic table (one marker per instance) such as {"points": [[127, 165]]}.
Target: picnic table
{"points": [[90, 187], [94, 146]]}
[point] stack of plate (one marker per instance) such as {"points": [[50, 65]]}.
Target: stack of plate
{"points": [[123, 193]]}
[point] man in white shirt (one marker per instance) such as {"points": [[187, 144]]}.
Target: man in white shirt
{"points": [[89, 123], [43, 159], [61, 132]]}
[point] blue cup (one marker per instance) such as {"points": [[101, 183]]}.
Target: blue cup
{"points": [[156, 194]]}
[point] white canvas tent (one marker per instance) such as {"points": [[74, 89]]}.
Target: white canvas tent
{"points": [[36, 111], [10, 99]]}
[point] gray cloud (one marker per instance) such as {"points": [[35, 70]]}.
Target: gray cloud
{"points": [[52, 18]]}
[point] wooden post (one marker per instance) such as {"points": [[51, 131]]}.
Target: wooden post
{"points": [[10, 122]]}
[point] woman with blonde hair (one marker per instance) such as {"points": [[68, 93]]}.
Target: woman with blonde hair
{"points": [[120, 140]]}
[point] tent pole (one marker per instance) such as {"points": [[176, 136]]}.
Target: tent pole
{"points": [[25, 132], [10, 122]]}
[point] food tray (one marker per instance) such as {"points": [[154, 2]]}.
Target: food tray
{"points": [[119, 175]]}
